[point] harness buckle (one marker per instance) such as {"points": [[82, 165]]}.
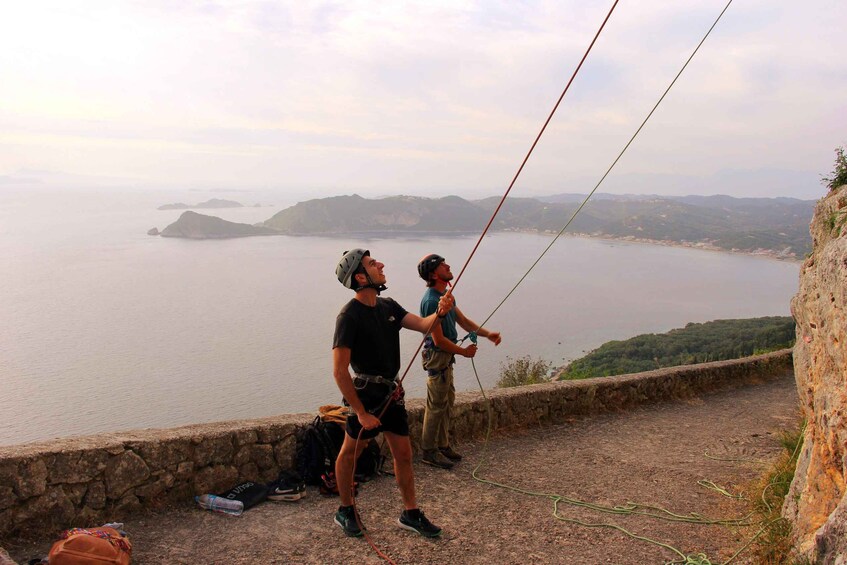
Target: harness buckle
{"points": [[377, 379]]}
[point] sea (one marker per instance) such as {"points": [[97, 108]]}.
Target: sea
{"points": [[104, 328]]}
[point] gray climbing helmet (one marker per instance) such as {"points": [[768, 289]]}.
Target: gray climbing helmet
{"points": [[349, 264]]}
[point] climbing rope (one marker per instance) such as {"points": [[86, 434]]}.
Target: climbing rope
{"points": [[612, 166], [630, 508], [479, 241]]}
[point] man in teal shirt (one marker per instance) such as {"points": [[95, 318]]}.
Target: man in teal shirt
{"points": [[439, 353]]}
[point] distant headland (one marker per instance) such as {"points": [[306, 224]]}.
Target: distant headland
{"points": [[776, 227]]}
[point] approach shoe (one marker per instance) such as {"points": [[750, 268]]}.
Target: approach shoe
{"points": [[289, 487], [346, 518], [415, 521], [436, 459], [450, 454], [288, 493]]}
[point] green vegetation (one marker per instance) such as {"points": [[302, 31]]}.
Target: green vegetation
{"points": [[837, 220], [776, 225], [523, 371], [839, 171], [695, 343], [767, 495]]}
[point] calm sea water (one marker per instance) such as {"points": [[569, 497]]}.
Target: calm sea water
{"points": [[105, 328]]}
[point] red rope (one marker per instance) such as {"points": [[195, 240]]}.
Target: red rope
{"points": [[473, 251]]}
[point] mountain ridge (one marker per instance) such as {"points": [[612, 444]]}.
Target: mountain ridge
{"points": [[769, 226]]}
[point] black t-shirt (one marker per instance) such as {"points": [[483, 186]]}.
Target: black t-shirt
{"points": [[372, 333]]}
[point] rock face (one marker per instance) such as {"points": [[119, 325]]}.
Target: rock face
{"points": [[816, 504]]}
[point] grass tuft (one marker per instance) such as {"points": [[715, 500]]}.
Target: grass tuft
{"points": [[767, 495]]}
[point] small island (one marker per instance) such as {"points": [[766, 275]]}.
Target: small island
{"points": [[209, 205]]}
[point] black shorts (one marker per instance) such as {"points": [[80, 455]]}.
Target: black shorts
{"points": [[395, 419]]}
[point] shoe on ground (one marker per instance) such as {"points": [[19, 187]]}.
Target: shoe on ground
{"points": [[450, 454], [346, 518], [415, 521], [436, 459], [288, 487], [288, 493]]}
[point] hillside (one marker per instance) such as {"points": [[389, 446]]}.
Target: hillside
{"points": [[695, 343], [775, 226], [354, 214]]}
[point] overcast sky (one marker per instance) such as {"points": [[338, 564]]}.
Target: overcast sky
{"points": [[435, 97]]}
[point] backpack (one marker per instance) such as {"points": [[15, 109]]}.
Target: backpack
{"points": [[316, 451], [81, 546], [318, 444]]}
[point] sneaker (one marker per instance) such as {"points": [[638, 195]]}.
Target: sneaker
{"points": [[346, 518], [288, 493], [433, 457], [450, 454], [289, 487], [415, 521]]}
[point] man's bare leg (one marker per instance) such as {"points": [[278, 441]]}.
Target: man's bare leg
{"points": [[347, 456], [401, 450]]}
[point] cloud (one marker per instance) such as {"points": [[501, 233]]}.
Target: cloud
{"points": [[416, 96]]}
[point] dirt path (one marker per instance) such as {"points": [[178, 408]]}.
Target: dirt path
{"points": [[651, 455]]}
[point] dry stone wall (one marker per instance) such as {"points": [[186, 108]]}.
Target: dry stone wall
{"points": [[89, 480], [816, 504]]}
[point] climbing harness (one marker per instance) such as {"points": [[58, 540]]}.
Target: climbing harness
{"points": [[364, 379]]}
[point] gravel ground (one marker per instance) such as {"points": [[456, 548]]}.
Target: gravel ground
{"points": [[653, 455]]}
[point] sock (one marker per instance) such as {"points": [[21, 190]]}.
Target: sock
{"points": [[414, 513]]}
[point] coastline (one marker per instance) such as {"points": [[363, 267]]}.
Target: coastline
{"points": [[698, 245], [413, 234]]}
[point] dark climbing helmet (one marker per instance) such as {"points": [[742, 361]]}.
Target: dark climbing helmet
{"points": [[350, 263], [428, 264]]}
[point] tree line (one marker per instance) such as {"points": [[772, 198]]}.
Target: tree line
{"points": [[695, 343]]}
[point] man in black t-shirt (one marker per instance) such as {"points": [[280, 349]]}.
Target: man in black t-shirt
{"points": [[367, 338]]}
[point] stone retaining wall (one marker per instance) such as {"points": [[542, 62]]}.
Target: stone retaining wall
{"points": [[88, 480]]}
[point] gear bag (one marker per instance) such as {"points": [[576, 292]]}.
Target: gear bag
{"points": [[82, 546], [318, 444], [248, 493]]}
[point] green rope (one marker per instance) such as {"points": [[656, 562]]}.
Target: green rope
{"points": [[630, 508], [732, 459], [712, 486]]}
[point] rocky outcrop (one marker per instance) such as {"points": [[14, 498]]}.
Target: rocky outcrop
{"points": [[816, 504]]}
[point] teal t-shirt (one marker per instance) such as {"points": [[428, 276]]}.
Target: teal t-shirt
{"points": [[429, 304]]}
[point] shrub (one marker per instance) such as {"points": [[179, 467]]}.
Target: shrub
{"points": [[523, 371], [839, 172]]}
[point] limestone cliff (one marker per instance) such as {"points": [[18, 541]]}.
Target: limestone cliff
{"points": [[816, 504]]}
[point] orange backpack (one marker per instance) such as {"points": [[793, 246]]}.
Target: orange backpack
{"points": [[91, 546]]}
